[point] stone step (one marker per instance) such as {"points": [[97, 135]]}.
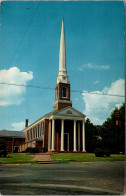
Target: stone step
{"points": [[46, 162]]}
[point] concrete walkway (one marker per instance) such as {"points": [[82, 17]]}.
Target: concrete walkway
{"points": [[42, 157]]}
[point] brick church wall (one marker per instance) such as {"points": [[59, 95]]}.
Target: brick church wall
{"points": [[11, 142]]}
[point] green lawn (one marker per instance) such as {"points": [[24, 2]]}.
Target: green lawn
{"points": [[79, 157], [18, 158], [26, 158]]}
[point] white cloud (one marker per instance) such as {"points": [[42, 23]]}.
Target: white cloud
{"points": [[18, 126], [98, 107], [10, 94], [92, 66]]}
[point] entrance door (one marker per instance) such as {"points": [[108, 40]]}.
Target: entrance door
{"points": [[16, 149], [66, 141]]}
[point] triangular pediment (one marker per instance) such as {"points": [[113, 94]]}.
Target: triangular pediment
{"points": [[70, 112]]}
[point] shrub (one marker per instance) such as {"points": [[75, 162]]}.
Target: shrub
{"points": [[107, 152], [44, 149], [3, 148], [32, 150], [99, 152]]}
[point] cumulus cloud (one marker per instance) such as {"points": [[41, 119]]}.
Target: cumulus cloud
{"points": [[99, 107], [11, 94], [18, 126], [93, 66]]}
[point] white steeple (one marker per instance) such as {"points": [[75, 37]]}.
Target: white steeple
{"points": [[62, 75]]}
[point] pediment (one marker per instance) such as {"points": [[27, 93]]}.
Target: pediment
{"points": [[70, 112]]}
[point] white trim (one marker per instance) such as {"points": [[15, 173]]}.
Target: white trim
{"points": [[62, 135], [49, 136], [83, 136], [78, 136], [66, 117], [75, 144], [53, 135]]}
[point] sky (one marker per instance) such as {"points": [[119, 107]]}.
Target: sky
{"points": [[29, 55]]}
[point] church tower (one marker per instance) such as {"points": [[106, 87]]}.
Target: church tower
{"points": [[62, 89]]}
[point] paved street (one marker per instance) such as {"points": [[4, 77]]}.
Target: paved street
{"points": [[103, 178]]}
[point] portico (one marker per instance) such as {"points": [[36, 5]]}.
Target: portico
{"points": [[66, 131]]}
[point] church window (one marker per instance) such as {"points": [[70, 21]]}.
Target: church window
{"points": [[31, 133], [38, 130], [34, 132], [42, 127], [64, 92], [27, 136], [57, 93]]}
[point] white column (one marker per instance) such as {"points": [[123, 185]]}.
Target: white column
{"points": [[78, 136], [75, 145], [53, 134], [62, 135], [49, 137], [83, 136]]}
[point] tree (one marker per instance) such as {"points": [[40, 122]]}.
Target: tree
{"points": [[91, 136], [109, 136], [3, 148], [113, 135]]}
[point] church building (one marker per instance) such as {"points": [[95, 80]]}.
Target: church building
{"points": [[63, 129]]}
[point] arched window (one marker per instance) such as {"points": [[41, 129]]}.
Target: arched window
{"points": [[34, 132], [38, 130], [57, 93], [31, 133], [64, 92]]}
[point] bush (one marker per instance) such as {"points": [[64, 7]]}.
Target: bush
{"points": [[32, 150], [3, 148], [99, 152], [44, 149], [107, 152]]}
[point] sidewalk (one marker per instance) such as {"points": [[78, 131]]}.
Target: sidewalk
{"points": [[44, 158]]}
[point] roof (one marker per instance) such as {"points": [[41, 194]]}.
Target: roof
{"points": [[58, 112], [45, 116], [8, 133]]}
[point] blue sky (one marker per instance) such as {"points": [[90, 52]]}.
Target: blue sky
{"points": [[29, 53]]}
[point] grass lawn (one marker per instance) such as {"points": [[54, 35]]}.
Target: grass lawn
{"points": [[26, 158], [89, 157], [18, 158]]}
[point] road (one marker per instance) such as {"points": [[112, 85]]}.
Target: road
{"points": [[101, 178]]}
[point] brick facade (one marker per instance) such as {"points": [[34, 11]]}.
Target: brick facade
{"points": [[13, 144], [61, 101]]}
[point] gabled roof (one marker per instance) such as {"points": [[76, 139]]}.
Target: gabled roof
{"points": [[68, 112], [15, 134], [46, 116]]}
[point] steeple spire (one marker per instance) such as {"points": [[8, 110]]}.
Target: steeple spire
{"points": [[62, 76], [62, 89]]}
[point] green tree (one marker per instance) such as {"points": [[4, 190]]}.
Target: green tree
{"points": [[3, 148], [91, 136], [113, 135]]}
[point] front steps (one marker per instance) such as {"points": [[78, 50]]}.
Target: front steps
{"points": [[47, 162]]}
